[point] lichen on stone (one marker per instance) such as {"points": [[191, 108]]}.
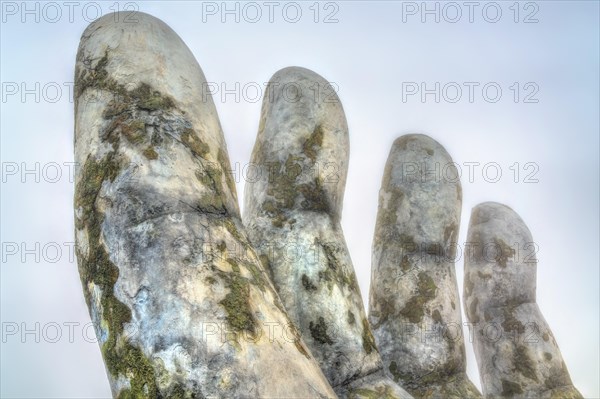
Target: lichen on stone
{"points": [[121, 357], [484, 276], [505, 252], [386, 225], [223, 160], [446, 380], [472, 310], [313, 144], [288, 190], [407, 243], [524, 364], [545, 337], [511, 323]]}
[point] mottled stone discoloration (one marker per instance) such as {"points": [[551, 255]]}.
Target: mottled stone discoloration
{"points": [[293, 215], [515, 349], [181, 303], [372, 386], [413, 294]]}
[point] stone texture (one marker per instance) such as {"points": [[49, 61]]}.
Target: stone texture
{"points": [[515, 349], [414, 307], [181, 303], [292, 214]]}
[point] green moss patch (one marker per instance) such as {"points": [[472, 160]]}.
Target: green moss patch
{"points": [[151, 100], [288, 193], [367, 337], [413, 310], [143, 96], [191, 139], [134, 131], [386, 308], [398, 375], [150, 153], [318, 330], [334, 273], [351, 318], [510, 389], [307, 283], [377, 393], [122, 109], [210, 177], [314, 196], [236, 303]]}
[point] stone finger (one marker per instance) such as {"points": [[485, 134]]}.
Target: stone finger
{"points": [[181, 304], [514, 346], [414, 306], [293, 213]]}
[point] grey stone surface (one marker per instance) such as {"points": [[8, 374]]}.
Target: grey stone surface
{"points": [[181, 303], [515, 349], [292, 214], [414, 307]]}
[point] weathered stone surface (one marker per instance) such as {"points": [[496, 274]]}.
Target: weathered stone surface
{"points": [[515, 349], [292, 214], [181, 303], [414, 307]]}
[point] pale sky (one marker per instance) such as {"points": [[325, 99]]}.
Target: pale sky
{"points": [[542, 56]]}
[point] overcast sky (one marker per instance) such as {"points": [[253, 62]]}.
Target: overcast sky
{"points": [[518, 94]]}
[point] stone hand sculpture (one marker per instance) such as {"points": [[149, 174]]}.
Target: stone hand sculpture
{"points": [[188, 301]]}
